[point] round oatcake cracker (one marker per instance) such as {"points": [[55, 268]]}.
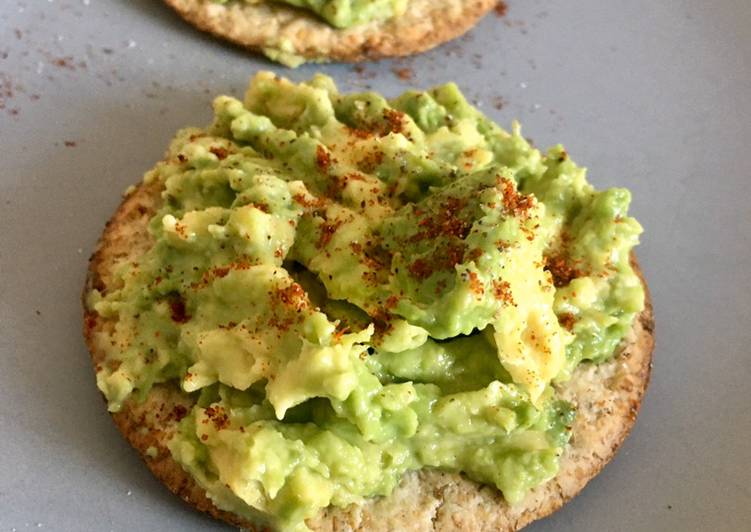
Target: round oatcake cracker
{"points": [[291, 36], [608, 397]]}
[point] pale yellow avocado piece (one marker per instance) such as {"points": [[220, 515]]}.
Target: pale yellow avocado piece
{"points": [[531, 343], [318, 371]]}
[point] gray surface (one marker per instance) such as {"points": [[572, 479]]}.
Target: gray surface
{"points": [[652, 95]]}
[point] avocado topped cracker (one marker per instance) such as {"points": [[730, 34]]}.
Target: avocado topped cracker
{"points": [[293, 32], [332, 293]]}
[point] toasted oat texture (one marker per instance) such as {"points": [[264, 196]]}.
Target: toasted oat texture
{"points": [[276, 26], [608, 398]]}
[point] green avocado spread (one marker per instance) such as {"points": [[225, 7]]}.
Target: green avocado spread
{"points": [[350, 288], [343, 14]]}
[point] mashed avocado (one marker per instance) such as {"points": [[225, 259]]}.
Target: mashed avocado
{"points": [[352, 288], [345, 13]]}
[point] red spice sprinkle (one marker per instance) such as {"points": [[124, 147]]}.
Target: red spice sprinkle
{"points": [[218, 417], [371, 161], [381, 321], [338, 333], [281, 324], [181, 157], [323, 158], [221, 153], [447, 223], [359, 133], [561, 269], [444, 258], [420, 269], [177, 309], [475, 254], [293, 295], [70, 143], [392, 301], [475, 285], [515, 204], [6, 90], [64, 62], [502, 292], [179, 412], [327, 232], [404, 74], [501, 9], [454, 255], [395, 121], [314, 203], [261, 207], [221, 271], [567, 321]]}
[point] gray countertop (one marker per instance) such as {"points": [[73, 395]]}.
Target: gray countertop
{"points": [[651, 95]]}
